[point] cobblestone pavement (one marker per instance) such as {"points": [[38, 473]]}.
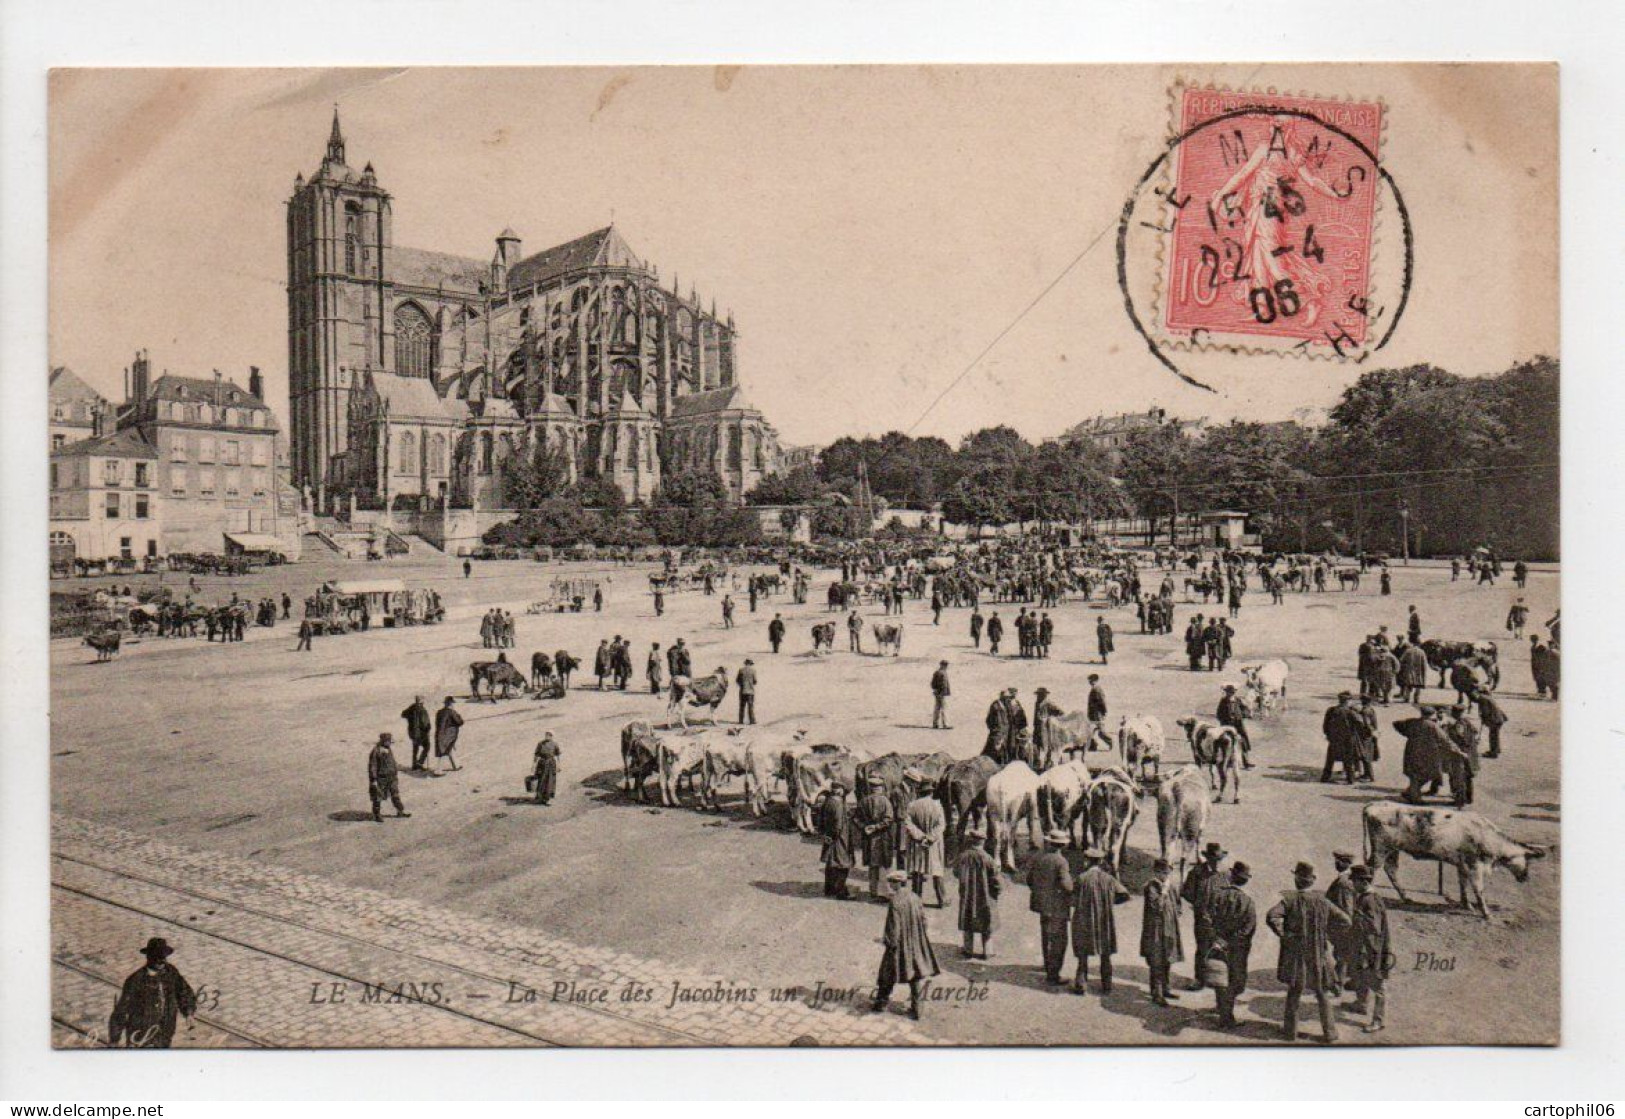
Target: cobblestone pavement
{"points": [[286, 959]]}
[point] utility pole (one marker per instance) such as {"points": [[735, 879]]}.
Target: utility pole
{"points": [[1405, 531]]}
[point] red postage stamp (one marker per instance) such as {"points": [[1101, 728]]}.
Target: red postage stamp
{"points": [[1274, 207]]}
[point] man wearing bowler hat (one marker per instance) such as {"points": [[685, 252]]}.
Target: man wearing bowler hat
{"points": [[1197, 891], [1305, 921], [383, 778], [1232, 919], [144, 1016], [1160, 945], [908, 956], [1372, 957], [1341, 894], [1050, 879]]}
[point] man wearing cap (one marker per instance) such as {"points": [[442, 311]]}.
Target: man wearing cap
{"points": [[1493, 718], [1043, 712], [1103, 640], [1373, 955], [908, 956], [1094, 925], [1305, 921], [745, 678], [1050, 880], [1160, 945], [924, 829], [940, 691], [152, 997], [834, 827], [995, 634], [447, 725], [1462, 763], [1344, 731], [1232, 921], [1095, 709], [1341, 894], [417, 731], [979, 886], [1413, 672], [1232, 712], [775, 632], [383, 778], [876, 822], [1197, 890]]}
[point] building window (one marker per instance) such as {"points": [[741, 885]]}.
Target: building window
{"points": [[111, 471], [112, 507], [177, 483], [232, 453], [414, 342], [352, 242], [257, 453], [407, 460], [735, 456], [55, 482], [234, 483], [177, 449], [142, 474], [152, 547], [59, 413], [205, 448], [124, 548], [58, 442], [141, 506], [205, 483], [259, 483], [437, 455]]}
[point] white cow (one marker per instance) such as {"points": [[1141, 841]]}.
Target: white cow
{"points": [[1183, 802], [1112, 811], [1062, 793], [676, 757], [1218, 750], [1140, 741], [1467, 841], [1012, 794], [1267, 683]]}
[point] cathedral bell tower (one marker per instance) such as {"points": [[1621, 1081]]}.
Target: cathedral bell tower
{"points": [[338, 243]]}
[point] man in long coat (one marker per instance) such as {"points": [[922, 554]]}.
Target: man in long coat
{"points": [[1232, 712], [1413, 672], [1384, 675], [1233, 920], [1305, 922], [1462, 763], [1095, 710], [1493, 718], [924, 837], [447, 725], [1426, 747], [1094, 925], [876, 822], [383, 778], [417, 731], [152, 997], [545, 768], [1200, 883], [908, 956], [995, 633], [1344, 731], [1103, 640], [1160, 945], [1341, 894], [979, 886], [835, 828], [1050, 880], [1195, 643], [1373, 956]]}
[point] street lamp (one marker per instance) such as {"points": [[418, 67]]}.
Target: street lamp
{"points": [[1405, 532]]}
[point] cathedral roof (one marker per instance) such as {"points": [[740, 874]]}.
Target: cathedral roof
{"points": [[552, 404], [602, 248], [411, 397], [425, 268], [732, 398]]}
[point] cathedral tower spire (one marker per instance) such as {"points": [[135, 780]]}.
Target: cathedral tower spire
{"points": [[335, 140]]}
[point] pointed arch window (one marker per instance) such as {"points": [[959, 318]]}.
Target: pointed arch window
{"points": [[352, 242], [414, 342]]}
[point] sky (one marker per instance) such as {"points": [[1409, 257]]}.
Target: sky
{"points": [[872, 229]]}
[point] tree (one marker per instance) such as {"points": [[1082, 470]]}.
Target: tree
{"points": [[984, 496], [800, 486], [530, 480], [1068, 481], [693, 507], [1157, 463]]}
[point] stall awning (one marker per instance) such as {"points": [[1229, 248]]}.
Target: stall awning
{"points": [[364, 586], [254, 541]]}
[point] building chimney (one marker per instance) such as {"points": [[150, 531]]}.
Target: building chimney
{"points": [[219, 390], [256, 383], [98, 419]]}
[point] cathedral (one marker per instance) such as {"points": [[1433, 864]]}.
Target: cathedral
{"points": [[420, 379]]}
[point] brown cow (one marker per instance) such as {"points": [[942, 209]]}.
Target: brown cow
{"points": [[1467, 841]]}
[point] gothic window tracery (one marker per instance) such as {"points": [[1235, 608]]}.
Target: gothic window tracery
{"points": [[414, 342]]}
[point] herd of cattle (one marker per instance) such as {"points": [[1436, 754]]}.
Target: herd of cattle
{"points": [[1081, 783]]}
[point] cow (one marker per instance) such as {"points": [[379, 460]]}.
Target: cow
{"points": [[1140, 741], [1012, 795], [1267, 683], [889, 637], [823, 635], [1067, 734], [1112, 809], [563, 665], [963, 790], [495, 674], [1063, 793], [105, 644], [1348, 579], [1183, 799], [783, 765], [677, 757], [726, 755], [1467, 841], [889, 769], [1217, 750], [706, 691], [639, 750], [1444, 655], [763, 760], [816, 770]]}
